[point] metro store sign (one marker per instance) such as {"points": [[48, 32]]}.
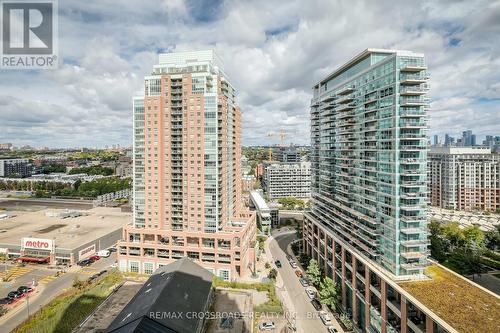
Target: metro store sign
{"points": [[37, 243]]}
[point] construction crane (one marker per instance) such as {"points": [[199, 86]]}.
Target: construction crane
{"points": [[282, 136]]}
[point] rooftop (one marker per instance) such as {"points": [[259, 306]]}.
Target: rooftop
{"points": [[462, 304], [183, 281], [68, 233]]}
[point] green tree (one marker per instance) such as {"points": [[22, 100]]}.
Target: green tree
{"points": [[329, 293], [313, 273], [273, 273], [492, 239], [439, 245]]}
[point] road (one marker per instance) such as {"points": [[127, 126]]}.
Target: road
{"points": [[49, 291], [307, 317]]}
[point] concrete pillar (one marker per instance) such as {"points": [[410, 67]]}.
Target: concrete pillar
{"points": [[367, 298], [404, 315], [429, 324], [383, 301], [326, 255], [344, 292], [354, 288], [334, 260]]}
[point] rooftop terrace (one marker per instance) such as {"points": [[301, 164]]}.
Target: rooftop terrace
{"points": [[462, 304]]}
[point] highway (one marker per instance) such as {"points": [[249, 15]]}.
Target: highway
{"points": [[307, 319]]}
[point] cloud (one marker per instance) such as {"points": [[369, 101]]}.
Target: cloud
{"points": [[274, 51]]}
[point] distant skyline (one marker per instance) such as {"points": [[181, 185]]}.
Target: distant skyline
{"points": [[272, 56]]}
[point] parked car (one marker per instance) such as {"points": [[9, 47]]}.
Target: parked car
{"points": [[24, 289], [299, 273], [293, 264], [266, 326], [316, 304], [304, 282], [94, 258], [6, 301], [332, 329], [14, 295], [311, 293], [325, 318], [278, 263], [85, 262], [103, 254]]}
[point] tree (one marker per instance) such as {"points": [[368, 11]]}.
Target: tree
{"points": [[273, 273], [492, 239], [438, 246], [313, 273], [329, 293]]}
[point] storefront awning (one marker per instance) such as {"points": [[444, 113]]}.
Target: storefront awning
{"points": [[32, 259]]}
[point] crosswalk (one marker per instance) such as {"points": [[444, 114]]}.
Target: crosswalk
{"points": [[88, 271], [15, 272], [47, 279]]}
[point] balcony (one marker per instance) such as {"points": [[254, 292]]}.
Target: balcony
{"points": [[413, 79], [413, 90], [346, 107], [345, 90], [346, 99], [416, 101], [412, 255], [413, 68]]}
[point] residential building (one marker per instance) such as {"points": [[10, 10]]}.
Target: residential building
{"points": [[15, 167], [289, 154], [464, 178], [6, 147], [124, 167], [367, 226], [187, 171], [281, 180], [369, 150]]}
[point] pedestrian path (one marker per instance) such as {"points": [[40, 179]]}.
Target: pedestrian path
{"points": [[47, 279], [15, 272]]}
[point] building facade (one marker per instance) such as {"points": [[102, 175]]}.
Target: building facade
{"points": [[281, 180], [15, 167], [369, 183], [464, 178], [187, 171], [289, 154]]}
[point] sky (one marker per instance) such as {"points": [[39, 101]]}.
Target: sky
{"points": [[273, 51]]}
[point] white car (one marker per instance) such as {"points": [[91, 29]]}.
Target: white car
{"points": [[325, 318], [332, 329], [293, 264], [310, 293], [267, 326]]}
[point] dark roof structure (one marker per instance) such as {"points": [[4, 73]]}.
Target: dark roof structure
{"points": [[167, 301]]}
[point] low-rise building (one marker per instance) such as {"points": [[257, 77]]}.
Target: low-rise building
{"points": [[15, 167], [174, 299], [61, 236], [266, 217], [464, 178], [283, 180]]}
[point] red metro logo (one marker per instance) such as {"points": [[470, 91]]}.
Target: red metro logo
{"points": [[37, 244]]}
